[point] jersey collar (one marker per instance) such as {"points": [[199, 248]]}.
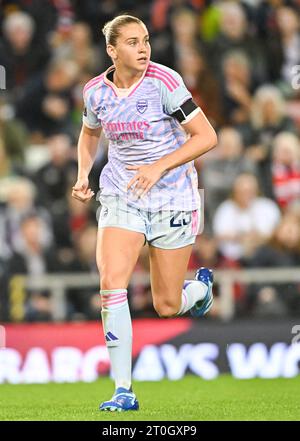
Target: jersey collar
{"points": [[116, 90]]}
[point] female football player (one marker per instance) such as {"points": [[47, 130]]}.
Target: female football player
{"points": [[148, 188]]}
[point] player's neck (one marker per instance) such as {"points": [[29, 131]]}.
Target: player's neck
{"points": [[124, 79]]}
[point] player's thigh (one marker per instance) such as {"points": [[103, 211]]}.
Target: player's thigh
{"points": [[168, 269], [117, 253]]}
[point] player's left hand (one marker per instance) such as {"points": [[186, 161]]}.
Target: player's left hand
{"points": [[145, 178]]}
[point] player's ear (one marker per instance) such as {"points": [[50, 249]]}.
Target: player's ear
{"points": [[111, 51]]}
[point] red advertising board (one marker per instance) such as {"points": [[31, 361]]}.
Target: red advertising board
{"points": [[162, 348]]}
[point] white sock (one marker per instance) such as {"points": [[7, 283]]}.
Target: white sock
{"points": [[117, 328], [193, 291]]}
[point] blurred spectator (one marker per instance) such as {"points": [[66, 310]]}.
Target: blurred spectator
{"points": [[70, 219], [283, 49], [56, 176], [284, 172], [13, 134], [206, 253], [265, 18], [218, 174], [245, 221], [7, 166], [202, 84], [44, 13], [98, 13], [20, 202], [4, 282], [84, 302], [77, 45], [85, 250], [209, 25], [282, 250], [22, 55], [161, 10], [46, 102], [234, 35], [38, 308], [237, 87], [33, 257], [268, 118], [185, 34]]}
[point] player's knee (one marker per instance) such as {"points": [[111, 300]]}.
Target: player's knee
{"points": [[166, 310], [110, 280]]}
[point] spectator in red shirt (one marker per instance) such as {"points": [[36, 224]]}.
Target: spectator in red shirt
{"points": [[285, 169]]}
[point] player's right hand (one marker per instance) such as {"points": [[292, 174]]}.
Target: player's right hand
{"points": [[81, 190]]}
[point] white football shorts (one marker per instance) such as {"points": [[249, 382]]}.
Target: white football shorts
{"points": [[167, 229]]}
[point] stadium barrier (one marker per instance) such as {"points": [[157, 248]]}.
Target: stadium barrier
{"points": [[57, 284]]}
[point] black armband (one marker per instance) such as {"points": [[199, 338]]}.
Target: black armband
{"points": [[185, 110]]}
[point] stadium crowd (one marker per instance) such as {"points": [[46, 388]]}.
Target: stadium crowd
{"points": [[241, 62]]}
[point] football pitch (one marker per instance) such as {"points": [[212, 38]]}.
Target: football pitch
{"points": [[189, 399]]}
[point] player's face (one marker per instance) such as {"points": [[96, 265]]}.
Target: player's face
{"points": [[132, 49]]}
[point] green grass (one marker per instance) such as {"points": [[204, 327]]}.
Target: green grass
{"points": [[189, 399]]}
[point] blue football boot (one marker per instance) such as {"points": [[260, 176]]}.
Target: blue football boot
{"points": [[122, 400], [204, 275]]}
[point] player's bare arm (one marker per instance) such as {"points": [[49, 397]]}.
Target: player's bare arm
{"points": [[87, 149]]}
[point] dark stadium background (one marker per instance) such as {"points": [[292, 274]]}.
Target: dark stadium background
{"points": [[241, 62]]}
